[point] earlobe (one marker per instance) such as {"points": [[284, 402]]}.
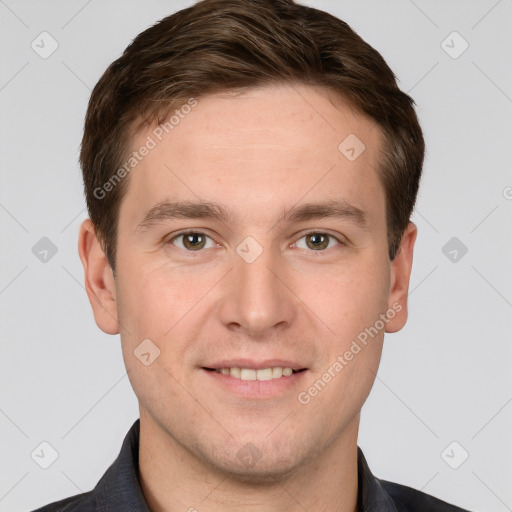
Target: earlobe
{"points": [[99, 279], [401, 268]]}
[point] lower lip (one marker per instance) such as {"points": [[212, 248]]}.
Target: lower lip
{"points": [[256, 388]]}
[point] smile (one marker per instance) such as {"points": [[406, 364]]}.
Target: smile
{"points": [[256, 374]]}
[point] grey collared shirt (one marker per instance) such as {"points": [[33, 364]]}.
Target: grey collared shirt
{"points": [[119, 489]]}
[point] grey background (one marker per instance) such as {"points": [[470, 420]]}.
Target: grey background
{"points": [[444, 378]]}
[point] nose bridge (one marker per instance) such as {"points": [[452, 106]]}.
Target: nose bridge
{"points": [[257, 299]]}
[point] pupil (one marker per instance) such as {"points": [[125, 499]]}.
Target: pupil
{"points": [[192, 239], [318, 240]]}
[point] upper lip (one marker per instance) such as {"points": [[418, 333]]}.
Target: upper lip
{"points": [[255, 365]]}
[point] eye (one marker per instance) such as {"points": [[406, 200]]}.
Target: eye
{"points": [[192, 241], [318, 241], [195, 241]]}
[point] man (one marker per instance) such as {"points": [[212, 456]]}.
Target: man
{"points": [[250, 170]]}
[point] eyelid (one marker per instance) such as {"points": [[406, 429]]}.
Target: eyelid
{"points": [[338, 237], [169, 239]]}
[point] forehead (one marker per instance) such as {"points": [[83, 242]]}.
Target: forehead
{"points": [[267, 145]]}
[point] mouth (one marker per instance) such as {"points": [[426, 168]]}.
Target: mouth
{"points": [[255, 379], [260, 374]]}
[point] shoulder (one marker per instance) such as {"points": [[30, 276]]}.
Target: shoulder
{"points": [[79, 503], [408, 499]]}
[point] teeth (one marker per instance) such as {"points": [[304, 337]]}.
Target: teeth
{"points": [[264, 374], [251, 374], [277, 372], [246, 374]]}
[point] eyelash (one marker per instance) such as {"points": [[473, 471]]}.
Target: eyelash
{"points": [[191, 232]]}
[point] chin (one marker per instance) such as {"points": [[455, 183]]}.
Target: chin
{"points": [[264, 472], [248, 464]]}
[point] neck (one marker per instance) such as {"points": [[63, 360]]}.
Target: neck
{"points": [[174, 479]]}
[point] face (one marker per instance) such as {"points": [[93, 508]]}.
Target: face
{"points": [[287, 268]]}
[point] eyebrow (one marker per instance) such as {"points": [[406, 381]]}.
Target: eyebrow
{"points": [[170, 210]]}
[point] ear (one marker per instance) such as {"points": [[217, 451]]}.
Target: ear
{"points": [[399, 279], [99, 279]]}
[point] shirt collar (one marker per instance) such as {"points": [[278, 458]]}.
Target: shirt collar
{"points": [[372, 497], [119, 489]]}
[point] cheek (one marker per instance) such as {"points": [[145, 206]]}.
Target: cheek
{"points": [[164, 306], [152, 307], [349, 299], [153, 300]]}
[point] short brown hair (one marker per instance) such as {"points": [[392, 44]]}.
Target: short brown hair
{"points": [[219, 45]]}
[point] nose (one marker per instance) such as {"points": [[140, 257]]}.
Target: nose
{"points": [[257, 299]]}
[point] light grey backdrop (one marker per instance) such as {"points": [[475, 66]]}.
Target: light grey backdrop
{"points": [[445, 378]]}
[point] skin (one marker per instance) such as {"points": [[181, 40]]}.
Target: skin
{"points": [[257, 153]]}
